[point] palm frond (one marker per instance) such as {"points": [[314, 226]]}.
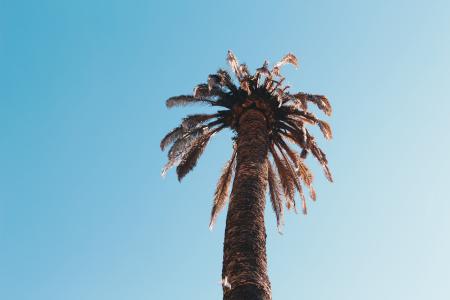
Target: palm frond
{"points": [[222, 189], [173, 135], [194, 120], [190, 158], [245, 86], [320, 101], [182, 144], [225, 80], [234, 64], [244, 70], [275, 196], [264, 70], [291, 172], [213, 81], [286, 179], [326, 130], [320, 156], [287, 59], [184, 100]]}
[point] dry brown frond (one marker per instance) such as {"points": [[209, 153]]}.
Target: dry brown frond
{"points": [[194, 120], [326, 129], [213, 82], [320, 101], [244, 70], [288, 59], [222, 189], [184, 100], [245, 86], [286, 179], [292, 173], [190, 158], [234, 64], [264, 70], [275, 196], [173, 135]]}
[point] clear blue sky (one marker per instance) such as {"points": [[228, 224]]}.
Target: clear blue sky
{"points": [[84, 213]]}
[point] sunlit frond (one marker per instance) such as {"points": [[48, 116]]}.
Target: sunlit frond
{"points": [[186, 100], [275, 196], [222, 189], [234, 64]]}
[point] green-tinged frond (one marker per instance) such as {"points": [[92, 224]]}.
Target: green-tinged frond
{"points": [[184, 100], [275, 196], [222, 189]]}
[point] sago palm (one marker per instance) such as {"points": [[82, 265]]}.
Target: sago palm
{"points": [[267, 120]]}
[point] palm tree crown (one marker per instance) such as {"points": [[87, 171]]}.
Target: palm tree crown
{"points": [[287, 116]]}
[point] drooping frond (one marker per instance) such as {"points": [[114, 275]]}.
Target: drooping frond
{"points": [[234, 64], [173, 135], [286, 179], [275, 196], [183, 143], [300, 168], [320, 101], [320, 156], [194, 120], [291, 172], [184, 100], [189, 160], [222, 189]]}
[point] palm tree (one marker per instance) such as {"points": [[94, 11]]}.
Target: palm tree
{"points": [[267, 120]]}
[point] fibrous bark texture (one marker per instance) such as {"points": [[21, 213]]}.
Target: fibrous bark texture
{"points": [[245, 262]]}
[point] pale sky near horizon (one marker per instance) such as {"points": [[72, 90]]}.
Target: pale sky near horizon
{"points": [[85, 214]]}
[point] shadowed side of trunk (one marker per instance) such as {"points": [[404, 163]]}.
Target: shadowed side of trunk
{"points": [[245, 262]]}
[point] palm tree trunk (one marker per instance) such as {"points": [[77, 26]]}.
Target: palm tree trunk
{"points": [[244, 258]]}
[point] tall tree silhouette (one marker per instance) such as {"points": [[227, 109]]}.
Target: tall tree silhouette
{"points": [[267, 120]]}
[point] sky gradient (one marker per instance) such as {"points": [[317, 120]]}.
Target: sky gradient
{"points": [[85, 214]]}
